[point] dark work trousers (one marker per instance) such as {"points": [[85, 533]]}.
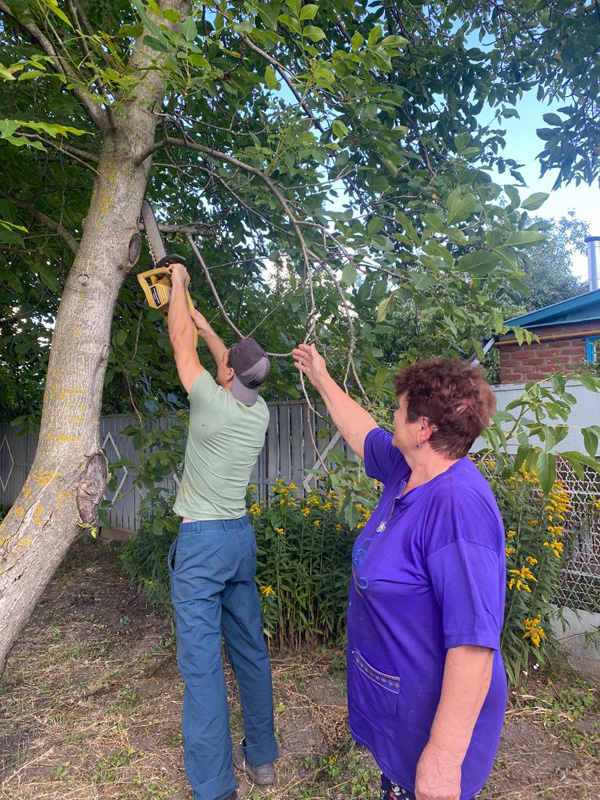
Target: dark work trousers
{"points": [[212, 566]]}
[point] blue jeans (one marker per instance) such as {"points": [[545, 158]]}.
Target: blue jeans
{"points": [[212, 566]]}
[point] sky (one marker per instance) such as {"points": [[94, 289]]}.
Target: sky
{"points": [[523, 145]]}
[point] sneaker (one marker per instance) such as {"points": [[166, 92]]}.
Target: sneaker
{"points": [[261, 775]]}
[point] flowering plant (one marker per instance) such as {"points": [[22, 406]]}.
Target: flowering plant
{"points": [[535, 525], [304, 558]]}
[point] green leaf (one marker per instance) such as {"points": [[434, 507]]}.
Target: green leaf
{"points": [[590, 441], [53, 6], [120, 337], [357, 41], [349, 274], [171, 14], [271, 78], [155, 44], [513, 196], [268, 15], [189, 29], [546, 470], [534, 201], [130, 31], [553, 119], [525, 238], [6, 74], [295, 5], [459, 206], [589, 381], [393, 41], [339, 129], [313, 33], [309, 11], [385, 306], [479, 263], [374, 35]]}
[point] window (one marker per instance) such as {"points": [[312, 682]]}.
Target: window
{"points": [[592, 349]]}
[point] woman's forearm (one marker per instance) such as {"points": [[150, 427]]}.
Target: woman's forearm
{"points": [[351, 419], [467, 676]]}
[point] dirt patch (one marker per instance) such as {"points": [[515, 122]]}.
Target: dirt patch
{"points": [[90, 707]]}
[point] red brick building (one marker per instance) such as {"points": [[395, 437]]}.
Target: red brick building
{"points": [[569, 334]]}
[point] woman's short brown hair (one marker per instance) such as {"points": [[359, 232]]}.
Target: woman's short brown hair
{"points": [[454, 396]]}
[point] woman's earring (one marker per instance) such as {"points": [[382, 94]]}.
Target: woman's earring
{"points": [[418, 445]]}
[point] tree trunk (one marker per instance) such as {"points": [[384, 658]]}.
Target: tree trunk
{"points": [[69, 474]]}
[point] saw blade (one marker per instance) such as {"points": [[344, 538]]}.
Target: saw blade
{"points": [[155, 242]]}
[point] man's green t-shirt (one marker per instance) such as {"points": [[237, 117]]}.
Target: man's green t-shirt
{"points": [[224, 441]]}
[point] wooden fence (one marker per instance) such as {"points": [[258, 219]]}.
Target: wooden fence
{"points": [[289, 454]]}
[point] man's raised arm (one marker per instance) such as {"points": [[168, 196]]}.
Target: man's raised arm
{"points": [[352, 420], [181, 329], [212, 340]]}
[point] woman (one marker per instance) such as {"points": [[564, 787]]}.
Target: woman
{"points": [[426, 684]]}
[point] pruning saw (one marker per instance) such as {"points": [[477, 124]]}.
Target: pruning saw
{"points": [[156, 282]]}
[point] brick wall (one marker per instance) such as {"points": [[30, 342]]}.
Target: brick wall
{"points": [[535, 361]]}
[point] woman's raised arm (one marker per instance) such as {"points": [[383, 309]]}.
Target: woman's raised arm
{"points": [[352, 421]]}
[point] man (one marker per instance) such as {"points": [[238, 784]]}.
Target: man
{"points": [[213, 560]]}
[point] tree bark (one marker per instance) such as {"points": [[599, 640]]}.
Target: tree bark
{"points": [[69, 474]]}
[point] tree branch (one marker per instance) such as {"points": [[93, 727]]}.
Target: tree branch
{"points": [[191, 229], [97, 115], [215, 294], [59, 229], [282, 71], [74, 152]]}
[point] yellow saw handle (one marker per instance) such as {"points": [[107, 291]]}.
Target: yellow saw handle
{"points": [[156, 284]]}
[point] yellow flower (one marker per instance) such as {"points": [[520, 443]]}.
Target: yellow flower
{"points": [[305, 511], [510, 534], [532, 560], [326, 506], [293, 486], [280, 530], [533, 630], [338, 527], [510, 551], [557, 548], [282, 502], [267, 590], [533, 522], [255, 510], [316, 523], [360, 526]]}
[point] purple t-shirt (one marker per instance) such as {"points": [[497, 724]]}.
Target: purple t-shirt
{"points": [[432, 580]]}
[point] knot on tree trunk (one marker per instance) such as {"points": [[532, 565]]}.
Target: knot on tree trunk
{"points": [[91, 486]]}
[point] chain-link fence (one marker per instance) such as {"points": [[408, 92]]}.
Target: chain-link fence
{"points": [[580, 587]]}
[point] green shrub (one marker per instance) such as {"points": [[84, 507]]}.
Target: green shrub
{"points": [[145, 557]]}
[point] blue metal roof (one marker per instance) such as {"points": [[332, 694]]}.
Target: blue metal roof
{"points": [[583, 308]]}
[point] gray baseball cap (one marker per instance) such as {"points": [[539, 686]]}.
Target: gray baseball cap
{"points": [[251, 366]]}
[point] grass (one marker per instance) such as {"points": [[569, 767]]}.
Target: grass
{"points": [[90, 707]]}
